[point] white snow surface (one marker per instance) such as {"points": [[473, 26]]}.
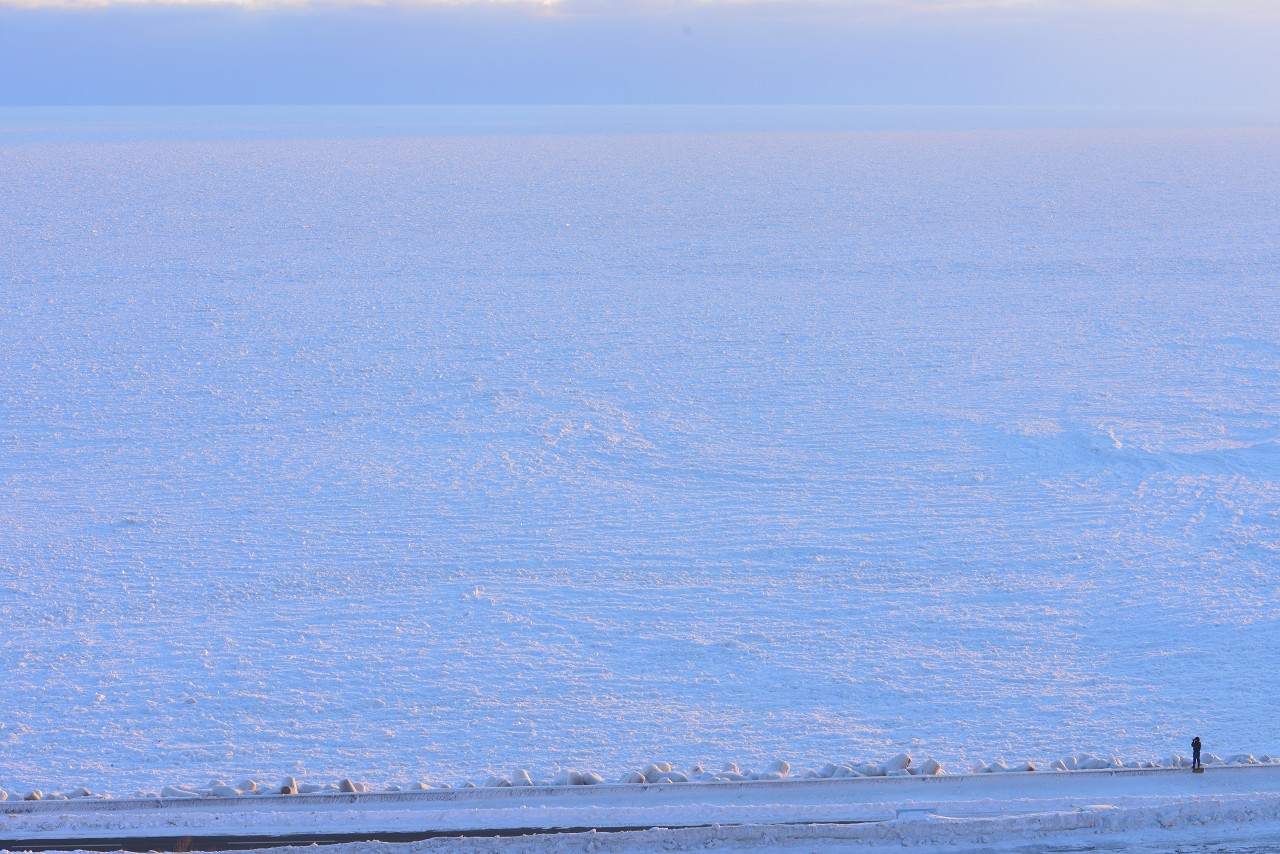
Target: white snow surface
{"points": [[401, 458]]}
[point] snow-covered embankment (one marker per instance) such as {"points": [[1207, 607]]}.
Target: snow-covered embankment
{"points": [[923, 809]]}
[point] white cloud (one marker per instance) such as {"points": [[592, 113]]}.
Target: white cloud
{"points": [[1044, 52]]}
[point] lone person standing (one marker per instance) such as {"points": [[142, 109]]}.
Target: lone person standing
{"points": [[1195, 753]]}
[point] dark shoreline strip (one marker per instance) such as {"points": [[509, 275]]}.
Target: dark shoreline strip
{"points": [[183, 844]]}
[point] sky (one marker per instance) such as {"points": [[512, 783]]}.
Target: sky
{"points": [[951, 52]]}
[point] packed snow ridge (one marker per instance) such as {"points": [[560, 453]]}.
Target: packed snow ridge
{"points": [[1089, 762], [663, 772], [656, 773]]}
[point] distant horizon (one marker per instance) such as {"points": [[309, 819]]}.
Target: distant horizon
{"points": [[121, 123], [851, 105]]}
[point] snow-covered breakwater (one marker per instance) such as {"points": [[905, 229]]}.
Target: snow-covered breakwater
{"points": [[937, 809], [1090, 762], [655, 773], [901, 765]]}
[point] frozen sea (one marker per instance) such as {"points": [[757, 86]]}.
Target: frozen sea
{"points": [[412, 444]]}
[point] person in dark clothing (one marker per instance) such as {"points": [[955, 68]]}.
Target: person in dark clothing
{"points": [[1195, 753]]}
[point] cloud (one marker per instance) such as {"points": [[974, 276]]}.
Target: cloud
{"points": [[642, 51]]}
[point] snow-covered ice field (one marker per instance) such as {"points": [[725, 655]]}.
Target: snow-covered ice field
{"points": [[334, 452]]}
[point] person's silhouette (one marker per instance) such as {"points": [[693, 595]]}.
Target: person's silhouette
{"points": [[1195, 753]]}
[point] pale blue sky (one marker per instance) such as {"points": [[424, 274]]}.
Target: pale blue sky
{"points": [[1069, 52]]}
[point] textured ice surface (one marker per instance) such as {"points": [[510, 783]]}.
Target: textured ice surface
{"points": [[410, 458]]}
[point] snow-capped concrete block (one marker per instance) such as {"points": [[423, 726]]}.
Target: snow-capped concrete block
{"points": [[927, 768], [652, 772], [898, 763], [176, 792]]}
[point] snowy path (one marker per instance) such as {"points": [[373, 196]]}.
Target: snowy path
{"points": [[940, 810]]}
